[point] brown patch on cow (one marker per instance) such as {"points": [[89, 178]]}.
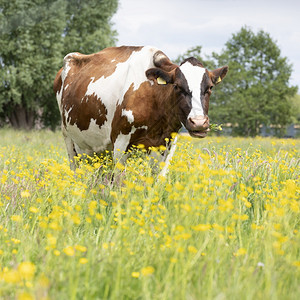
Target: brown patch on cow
{"points": [[57, 81], [194, 61], [81, 113], [119, 124], [99, 64], [153, 106], [206, 86]]}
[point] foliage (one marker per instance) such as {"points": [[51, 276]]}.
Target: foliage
{"points": [[256, 90], [295, 108], [224, 223], [34, 37], [89, 28]]}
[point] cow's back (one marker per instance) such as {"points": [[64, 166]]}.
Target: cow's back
{"points": [[90, 87]]}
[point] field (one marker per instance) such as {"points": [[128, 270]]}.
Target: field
{"points": [[223, 224]]}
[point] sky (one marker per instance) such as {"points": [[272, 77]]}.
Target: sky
{"points": [[174, 26]]}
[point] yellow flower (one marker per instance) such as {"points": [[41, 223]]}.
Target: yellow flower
{"points": [[104, 203], [33, 209], [76, 219], [120, 166], [296, 264], [192, 249], [11, 276], [97, 165], [26, 270], [147, 271], [15, 241], [52, 241], [83, 260], [80, 248], [135, 274], [99, 216], [240, 252], [16, 218], [240, 217], [201, 227], [25, 194], [25, 296], [69, 251]]}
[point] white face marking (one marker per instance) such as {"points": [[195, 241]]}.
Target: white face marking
{"points": [[128, 114], [194, 76]]}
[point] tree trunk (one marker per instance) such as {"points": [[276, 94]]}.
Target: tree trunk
{"points": [[22, 118]]}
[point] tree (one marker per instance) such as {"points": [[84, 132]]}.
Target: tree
{"points": [[295, 108], [34, 37], [256, 90], [89, 28]]}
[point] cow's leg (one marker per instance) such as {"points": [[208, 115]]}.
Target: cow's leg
{"points": [[167, 158], [70, 149]]}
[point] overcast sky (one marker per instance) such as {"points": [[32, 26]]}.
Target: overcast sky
{"points": [[176, 25]]}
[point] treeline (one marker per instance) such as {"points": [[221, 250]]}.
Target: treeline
{"points": [[36, 35]]}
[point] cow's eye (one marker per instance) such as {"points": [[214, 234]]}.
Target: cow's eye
{"points": [[211, 87]]}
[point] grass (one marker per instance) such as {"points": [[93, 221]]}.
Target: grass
{"points": [[223, 224]]}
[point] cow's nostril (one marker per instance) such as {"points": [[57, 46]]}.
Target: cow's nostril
{"points": [[191, 121]]}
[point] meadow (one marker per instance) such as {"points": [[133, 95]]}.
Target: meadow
{"points": [[223, 223]]}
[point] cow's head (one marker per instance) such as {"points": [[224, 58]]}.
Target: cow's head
{"points": [[192, 86]]}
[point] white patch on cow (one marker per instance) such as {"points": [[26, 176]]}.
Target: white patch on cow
{"points": [[66, 86], [67, 112], [122, 142], [113, 60], [58, 97], [128, 114], [90, 140], [194, 76]]}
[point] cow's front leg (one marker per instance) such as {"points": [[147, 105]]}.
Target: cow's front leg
{"points": [[167, 157]]}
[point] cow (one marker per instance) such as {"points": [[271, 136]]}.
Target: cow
{"points": [[128, 95]]}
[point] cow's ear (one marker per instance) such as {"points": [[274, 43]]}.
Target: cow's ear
{"points": [[219, 74], [158, 75]]}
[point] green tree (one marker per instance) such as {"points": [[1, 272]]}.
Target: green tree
{"points": [[34, 37], [256, 90], [295, 109], [88, 27]]}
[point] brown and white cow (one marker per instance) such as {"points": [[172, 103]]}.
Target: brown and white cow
{"points": [[124, 96]]}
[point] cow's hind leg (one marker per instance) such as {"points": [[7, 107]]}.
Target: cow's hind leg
{"points": [[71, 150]]}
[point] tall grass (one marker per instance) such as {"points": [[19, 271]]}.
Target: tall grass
{"points": [[223, 224]]}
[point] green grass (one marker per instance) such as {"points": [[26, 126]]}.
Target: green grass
{"points": [[223, 224]]}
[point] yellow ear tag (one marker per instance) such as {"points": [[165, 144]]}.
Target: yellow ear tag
{"points": [[161, 81], [218, 80]]}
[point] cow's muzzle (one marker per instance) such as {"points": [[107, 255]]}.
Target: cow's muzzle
{"points": [[198, 126]]}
